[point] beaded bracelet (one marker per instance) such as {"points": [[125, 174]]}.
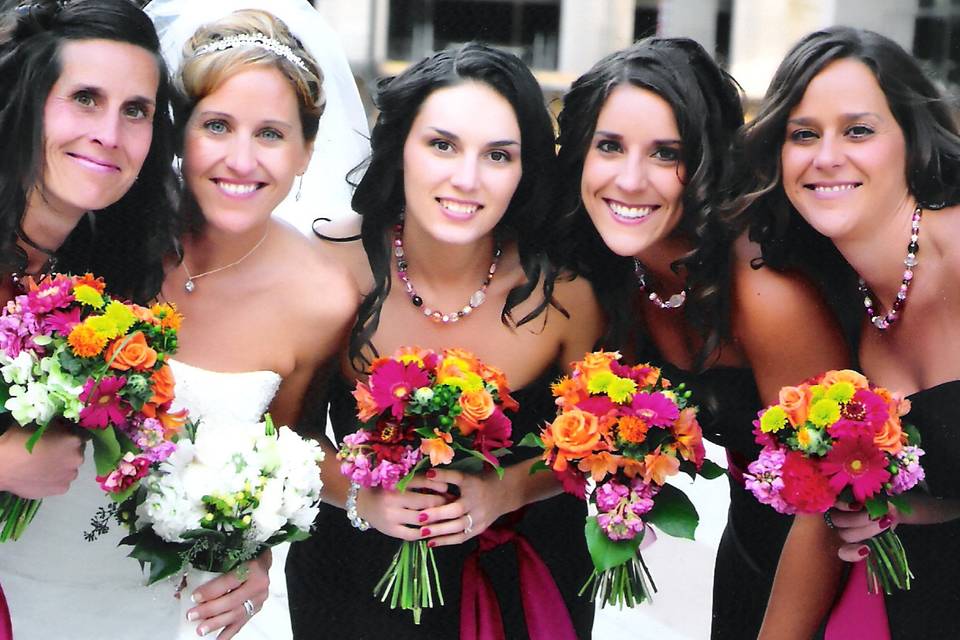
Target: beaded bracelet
{"points": [[352, 515]]}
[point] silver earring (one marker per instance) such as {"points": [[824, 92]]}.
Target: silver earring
{"points": [[299, 187]]}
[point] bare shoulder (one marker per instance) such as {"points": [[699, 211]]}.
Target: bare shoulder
{"points": [[943, 229], [763, 295], [575, 294], [584, 323], [340, 242]]}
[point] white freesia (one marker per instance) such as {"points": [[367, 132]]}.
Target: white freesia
{"points": [[31, 403], [17, 370]]}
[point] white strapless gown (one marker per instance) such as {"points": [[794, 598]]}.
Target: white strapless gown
{"points": [[61, 587]]}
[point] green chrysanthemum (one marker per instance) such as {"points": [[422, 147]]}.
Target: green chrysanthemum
{"points": [[621, 389], [103, 326], [88, 296], [817, 393], [600, 381], [773, 419], [842, 392], [121, 316], [824, 412]]}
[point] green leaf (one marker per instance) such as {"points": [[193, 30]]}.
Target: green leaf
{"points": [[902, 503], [405, 480], [539, 465], [531, 440], [165, 559], [673, 513], [876, 507], [35, 437], [106, 449], [912, 432], [607, 553], [711, 470], [479, 456], [4, 396]]}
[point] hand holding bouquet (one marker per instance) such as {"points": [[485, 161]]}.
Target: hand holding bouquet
{"points": [[422, 409], [67, 350], [839, 437], [626, 429]]}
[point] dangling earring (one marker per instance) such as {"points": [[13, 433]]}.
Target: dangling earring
{"points": [[299, 187]]}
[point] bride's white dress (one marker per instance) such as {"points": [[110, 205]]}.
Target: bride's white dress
{"points": [[59, 586]]}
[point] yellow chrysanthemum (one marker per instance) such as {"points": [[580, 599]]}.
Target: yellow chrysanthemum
{"points": [[456, 372], [842, 392], [817, 393], [773, 419], [621, 389], [88, 295], [103, 325], [85, 342], [169, 317], [121, 316], [824, 412], [599, 381]]}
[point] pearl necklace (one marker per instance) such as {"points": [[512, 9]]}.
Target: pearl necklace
{"points": [[673, 302], [478, 298], [189, 286], [884, 322]]}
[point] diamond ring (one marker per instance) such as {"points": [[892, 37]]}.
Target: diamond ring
{"points": [[469, 528], [828, 520], [248, 607]]}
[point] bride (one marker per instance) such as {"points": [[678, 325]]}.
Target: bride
{"points": [[263, 310]]}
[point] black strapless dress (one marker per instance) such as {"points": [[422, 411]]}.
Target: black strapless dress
{"points": [[331, 576], [754, 534], [930, 609]]}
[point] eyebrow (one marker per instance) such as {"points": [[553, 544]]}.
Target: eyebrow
{"points": [[226, 116], [496, 143], [616, 136], [805, 121]]}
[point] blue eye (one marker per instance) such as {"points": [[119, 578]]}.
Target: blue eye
{"points": [[215, 126], [271, 134]]}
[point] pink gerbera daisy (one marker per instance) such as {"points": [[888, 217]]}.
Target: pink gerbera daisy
{"points": [[865, 414], [393, 383], [655, 409], [102, 402], [859, 463]]}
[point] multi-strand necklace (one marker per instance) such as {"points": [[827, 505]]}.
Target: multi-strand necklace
{"points": [[673, 302], [476, 299], [884, 322]]}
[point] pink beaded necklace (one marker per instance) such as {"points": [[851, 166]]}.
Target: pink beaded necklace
{"points": [[884, 322]]}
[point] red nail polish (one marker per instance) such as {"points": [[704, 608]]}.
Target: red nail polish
{"points": [[431, 474], [422, 517], [431, 543], [424, 532], [855, 506], [863, 552], [885, 522]]}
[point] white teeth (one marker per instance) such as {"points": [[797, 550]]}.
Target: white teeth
{"points": [[630, 212], [458, 207], [836, 187], [237, 189]]}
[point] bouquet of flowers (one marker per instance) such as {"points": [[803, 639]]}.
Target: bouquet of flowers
{"points": [[424, 409], [227, 493], [68, 350], [626, 429], [839, 437]]}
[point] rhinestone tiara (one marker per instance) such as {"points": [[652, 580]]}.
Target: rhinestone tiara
{"points": [[252, 40]]}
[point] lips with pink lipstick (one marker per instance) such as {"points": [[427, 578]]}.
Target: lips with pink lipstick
{"points": [[237, 188], [832, 189], [459, 209], [626, 213], [95, 164]]}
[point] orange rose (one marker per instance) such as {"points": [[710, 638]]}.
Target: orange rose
{"points": [[890, 438], [596, 362], [476, 406], [575, 434], [844, 375], [796, 402], [162, 380], [143, 314], [131, 352]]}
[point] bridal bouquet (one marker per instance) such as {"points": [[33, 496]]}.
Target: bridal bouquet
{"points": [[424, 409], [69, 351], [839, 437], [626, 429], [227, 493]]}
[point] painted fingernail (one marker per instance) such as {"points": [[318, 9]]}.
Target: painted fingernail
{"points": [[192, 615], [431, 474], [855, 506], [422, 517], [424, 532], [885, 522], [863, 552], [196, 597], [431, 543]]}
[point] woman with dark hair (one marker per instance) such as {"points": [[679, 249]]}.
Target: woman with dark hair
{"points": [[854, 147], [86, 184], [456, 196], [645, 139]]}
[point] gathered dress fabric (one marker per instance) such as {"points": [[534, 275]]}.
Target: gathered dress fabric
{"points": [[59, 585], [929, 609], [331, 576]]}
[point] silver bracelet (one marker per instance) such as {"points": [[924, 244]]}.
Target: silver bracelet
{"points": [[352, 515]]}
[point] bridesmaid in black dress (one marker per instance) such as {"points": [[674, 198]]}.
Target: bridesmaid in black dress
{"points": [[645, 139], [867, 162], [459, 186]]}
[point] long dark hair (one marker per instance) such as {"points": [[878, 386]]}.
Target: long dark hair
{"points": [[706, 104], [379, 196], [932, 155], [127, 241]]}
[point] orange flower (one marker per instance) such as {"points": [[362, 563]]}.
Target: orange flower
{"points": [[476, 406], [796, 402], [650, 375], [85, 342], [131, 352], [689, 436], [406, 355], [366, 405], [844, 375], [90, 281], [599, 465], [162, 380], [172, 421], [632, 429], [169, 317], [569, 391], [143, 314], [595, 362], [574, 433], [467, 356], [631, 468], [658, 466], [890, 438], [438, 448], [497, 378]]}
